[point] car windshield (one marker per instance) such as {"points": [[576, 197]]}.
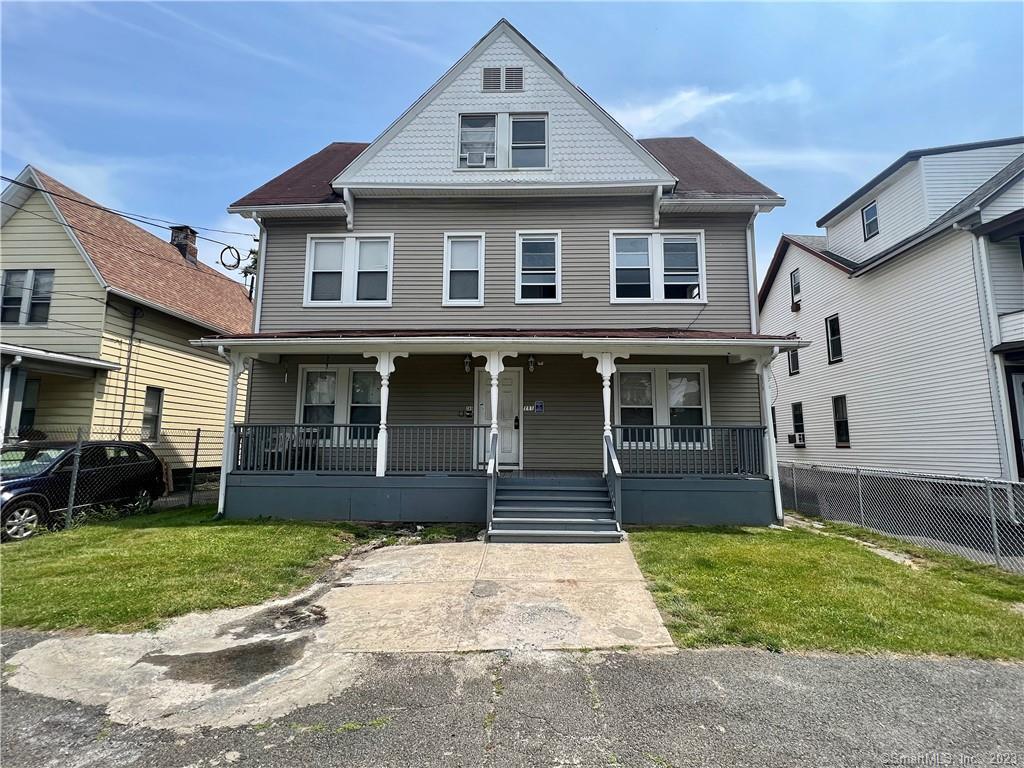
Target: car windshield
{"points": [[22, 461]]}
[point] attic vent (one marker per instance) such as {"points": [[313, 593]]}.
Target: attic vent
{"points": [[513, 78], [492, 78]]}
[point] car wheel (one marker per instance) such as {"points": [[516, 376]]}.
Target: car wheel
{"points": [[142, 502], [21, 520]]}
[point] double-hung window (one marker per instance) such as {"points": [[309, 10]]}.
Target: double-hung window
{"points": [[798, 417], [26, 296], [152, 414], [662, 396], [657, 267], [794, 286], [349, 270], [477, 141], [463, 269], [538, 267], [528, 145], [841, 421], [833, 341], [793, 357], [869, 219], [340, 394]]}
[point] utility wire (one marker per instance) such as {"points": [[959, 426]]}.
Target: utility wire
{"points": [[151, 220], [149, 254]]}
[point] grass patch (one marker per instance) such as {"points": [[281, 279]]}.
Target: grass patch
{"points": [[131, 574], [797, 590]]}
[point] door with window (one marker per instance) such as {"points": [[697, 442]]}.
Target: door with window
{"points": [[510, 432]]}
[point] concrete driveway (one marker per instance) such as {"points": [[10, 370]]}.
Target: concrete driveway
{"points": [[475, 597], [248, 665]]}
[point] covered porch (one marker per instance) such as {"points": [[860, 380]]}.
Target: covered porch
{"points": [[655, 427]]}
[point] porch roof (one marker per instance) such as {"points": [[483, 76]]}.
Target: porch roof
{"points": [[57, 362], [552, 339]]}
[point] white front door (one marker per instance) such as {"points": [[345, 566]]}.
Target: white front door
{"points": [[510, 402]]}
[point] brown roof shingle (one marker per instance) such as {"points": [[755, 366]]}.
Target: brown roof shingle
{"points": [[136, 262]]}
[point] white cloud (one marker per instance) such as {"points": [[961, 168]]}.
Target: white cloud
{"points": [[382, 33], [845, 162], [689, 104], [936, 59]]}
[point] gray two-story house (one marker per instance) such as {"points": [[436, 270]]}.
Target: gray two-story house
{"points": [[506, 309]]}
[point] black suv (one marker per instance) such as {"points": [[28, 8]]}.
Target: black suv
{"points": [[35, 480]]}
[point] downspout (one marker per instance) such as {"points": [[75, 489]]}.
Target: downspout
{"points": [[752, 271], [771, 457], [261, 257], [136, 314], [5, 393], [990, 336]]}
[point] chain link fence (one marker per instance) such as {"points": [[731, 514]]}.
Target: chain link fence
{"points": [[70, 472], [975, 518]]}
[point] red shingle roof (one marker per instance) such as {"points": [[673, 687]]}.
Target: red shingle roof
{"points": [[701, 171], [135, 262]]}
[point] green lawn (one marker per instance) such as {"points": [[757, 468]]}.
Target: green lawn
{"points": [[797, 590], [133, 573]]}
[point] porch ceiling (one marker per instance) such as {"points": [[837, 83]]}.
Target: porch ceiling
{"points": [[561, 340]]}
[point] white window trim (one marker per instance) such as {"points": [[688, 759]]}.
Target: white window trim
{"points": [[660, 398], [349, 271], [497, 138], [794, 295], [26, 294], [864, 221], [657, 262], [528, 233], [828, 340], [512, 117], [342, 397], [479, 301]]}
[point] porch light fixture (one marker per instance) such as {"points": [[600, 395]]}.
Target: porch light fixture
{"points": [[467, 363], [530, 363]]}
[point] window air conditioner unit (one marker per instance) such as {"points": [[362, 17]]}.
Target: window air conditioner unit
{"points": [[476, 159], [797, 440]]}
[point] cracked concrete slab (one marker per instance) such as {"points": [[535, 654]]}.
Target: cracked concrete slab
{"points": [[241, 666]]}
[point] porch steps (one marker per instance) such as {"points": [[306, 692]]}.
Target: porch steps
{"points": [[553, 509]]}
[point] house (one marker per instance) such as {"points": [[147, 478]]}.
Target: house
{"points": [[97, 315], [913, 302], [505, 309]]}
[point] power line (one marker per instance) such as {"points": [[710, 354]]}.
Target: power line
{"points": [[148, 254], [141, 217]]}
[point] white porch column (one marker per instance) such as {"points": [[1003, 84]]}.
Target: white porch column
{"points": [[237, 364], [606, 369], [5, 392], [494, 366], [770, 457], [385, 367]]}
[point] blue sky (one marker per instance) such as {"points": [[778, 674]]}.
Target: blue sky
{"points": [[177, 109]]}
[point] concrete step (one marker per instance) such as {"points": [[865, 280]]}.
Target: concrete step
{"points": [[555, 536]]}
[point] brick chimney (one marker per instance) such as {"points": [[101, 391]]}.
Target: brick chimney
{"points": [[183, 237]]}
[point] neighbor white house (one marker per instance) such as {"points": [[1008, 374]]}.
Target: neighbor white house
{"points": [[913, 302]]}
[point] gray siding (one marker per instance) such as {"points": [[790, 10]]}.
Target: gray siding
{"points": [[419, 227], [435, 389]]}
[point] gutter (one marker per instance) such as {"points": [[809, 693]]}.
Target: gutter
{"points": [[928, 234]]}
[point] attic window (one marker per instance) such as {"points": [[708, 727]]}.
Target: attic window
{"points": [[503, 79]]}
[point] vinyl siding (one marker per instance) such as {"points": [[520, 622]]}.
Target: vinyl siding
{"points": [[428, 389], [194, 380], [419, 227], [76, 307], [901, 212], [914, 363], [949, 178], [1009, 200], [1007, 274], [65, 403]]}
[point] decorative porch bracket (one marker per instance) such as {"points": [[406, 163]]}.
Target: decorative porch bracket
{"points": [[763, 369], [385, 367], [494, 366], [606, 369], [238, 363]]}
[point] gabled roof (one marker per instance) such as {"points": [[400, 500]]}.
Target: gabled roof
{"points": [[814, 245], [965, 208], [657, 172], [702, 173], [909, 157], [135, 264]]}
